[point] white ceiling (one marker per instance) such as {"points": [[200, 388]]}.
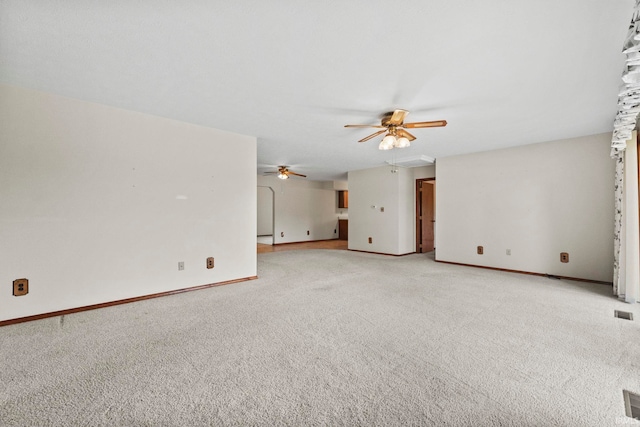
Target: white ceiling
{"points": [[292, 73]]}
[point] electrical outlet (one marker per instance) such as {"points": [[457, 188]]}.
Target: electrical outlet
{"points": [[181, 266], [210, 262], [20, 287], [480, 250], [335, 230], [282, 234], [564, 257], [307, 232], [508, 251], [370, 239], [382, 209]]}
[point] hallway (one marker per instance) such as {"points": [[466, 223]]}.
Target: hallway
{"points": [[323, 244]]}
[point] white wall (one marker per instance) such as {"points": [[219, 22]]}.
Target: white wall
{"points": [[392, 231], [265, 211], [100, 204], [406, 211], [537, 200], [302, 205], [424, 172], [341, 185]]}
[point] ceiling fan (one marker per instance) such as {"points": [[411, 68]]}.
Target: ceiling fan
{"points": [[283, 173], [393, 125]]}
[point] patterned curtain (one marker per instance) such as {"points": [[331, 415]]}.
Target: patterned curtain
{"points": [[623, 126], [629, 93], [618, 281]]}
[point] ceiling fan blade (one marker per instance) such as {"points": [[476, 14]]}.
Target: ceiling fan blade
{"points": [[433, 124], [365, 126], [373, 135], [296, 174], [269, 173], [398, 117], [406, 134]]}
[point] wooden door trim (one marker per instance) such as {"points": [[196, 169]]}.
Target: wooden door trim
{"points": [[419, 181]]}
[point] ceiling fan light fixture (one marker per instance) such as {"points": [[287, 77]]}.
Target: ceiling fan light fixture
{"points": [[283, 175], [387, 142], [397, 135], [402, 142]]}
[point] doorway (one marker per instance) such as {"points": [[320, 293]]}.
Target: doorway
{"points": [[266, 215], [425, 214]]}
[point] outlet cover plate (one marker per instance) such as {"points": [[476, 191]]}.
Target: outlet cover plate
{"points": [[20, 287]]}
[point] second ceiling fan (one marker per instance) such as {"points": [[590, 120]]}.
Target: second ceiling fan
{"points": [[393, 125], [284, 173]]}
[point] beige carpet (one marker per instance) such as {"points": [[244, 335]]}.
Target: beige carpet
{"points": [[333, 338]]}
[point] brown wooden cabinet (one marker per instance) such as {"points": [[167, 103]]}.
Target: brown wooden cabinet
{"points": [[343, 199], [343, 229]]}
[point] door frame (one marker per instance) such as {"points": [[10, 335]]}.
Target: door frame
{"points": [[273, 213], [419, 182]]}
